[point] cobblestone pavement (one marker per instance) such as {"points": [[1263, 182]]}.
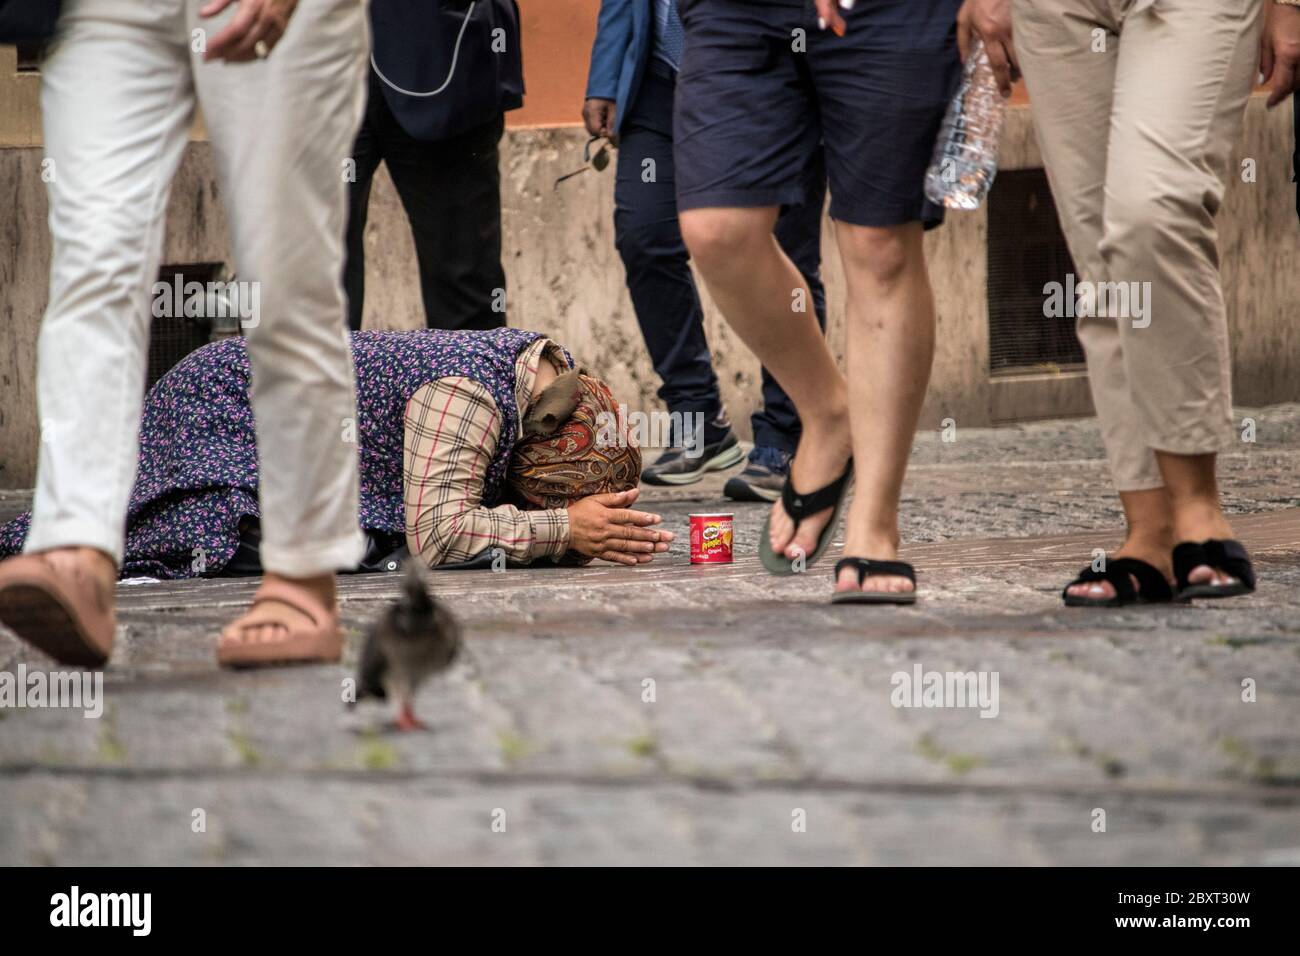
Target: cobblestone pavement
{"points": [[771, 736]]}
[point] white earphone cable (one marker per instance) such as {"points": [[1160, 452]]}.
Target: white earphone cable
{"points": [[455, 55]]}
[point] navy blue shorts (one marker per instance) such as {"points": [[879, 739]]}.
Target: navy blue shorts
{"points": [[751, 108]]}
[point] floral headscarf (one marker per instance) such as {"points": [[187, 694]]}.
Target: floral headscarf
{"points": [[588, 452]]}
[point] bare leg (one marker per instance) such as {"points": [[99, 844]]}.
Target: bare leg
{"points": [[1150, 538], [890, 318], [756, 285], [1194, 500]]}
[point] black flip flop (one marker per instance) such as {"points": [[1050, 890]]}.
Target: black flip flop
{"points": [[866, 567], [1227, 555], [799, 507], [1120, 572]]}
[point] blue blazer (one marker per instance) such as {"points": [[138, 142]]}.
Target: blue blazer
{"points": [[621, 53]]}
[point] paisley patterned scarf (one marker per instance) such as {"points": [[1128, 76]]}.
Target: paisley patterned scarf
{"points": [[591, 451]]}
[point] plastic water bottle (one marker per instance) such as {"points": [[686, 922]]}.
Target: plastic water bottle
{"points": [[966, 152]]}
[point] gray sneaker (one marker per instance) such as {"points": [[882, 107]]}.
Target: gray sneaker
{"points": [[674, 468], [763, 477]]}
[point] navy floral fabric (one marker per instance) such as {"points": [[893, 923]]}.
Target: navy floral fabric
{"points": [[197, 473]]}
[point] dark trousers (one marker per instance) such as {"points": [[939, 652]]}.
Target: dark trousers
{"points": [[659, 279], [451, 191]]}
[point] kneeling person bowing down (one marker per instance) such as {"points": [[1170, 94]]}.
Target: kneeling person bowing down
{"points": [[471, 444]]}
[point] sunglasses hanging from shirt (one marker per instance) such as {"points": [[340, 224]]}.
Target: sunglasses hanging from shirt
{"points": [[598, 162]]}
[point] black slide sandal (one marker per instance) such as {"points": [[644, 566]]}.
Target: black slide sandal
{"points": [[799, 507], [1227, 555], [866, 567], [1152, 588]]}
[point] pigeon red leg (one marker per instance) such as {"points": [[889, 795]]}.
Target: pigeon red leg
{"points": [[406, 719]]}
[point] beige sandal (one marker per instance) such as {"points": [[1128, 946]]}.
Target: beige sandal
{"points": [[319, 643], [41, 607]]}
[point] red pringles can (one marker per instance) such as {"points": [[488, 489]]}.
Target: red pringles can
{"points": [[711, 538]]}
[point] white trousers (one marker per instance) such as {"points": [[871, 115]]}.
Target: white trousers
{"points": [[120, 85]]}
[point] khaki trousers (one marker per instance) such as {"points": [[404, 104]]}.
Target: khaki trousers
{"points": [[120, 85], [1137, 104]]}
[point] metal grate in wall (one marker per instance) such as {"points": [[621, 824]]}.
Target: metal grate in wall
{"points": [[29, 57], [174, 336], [1026, 250]]}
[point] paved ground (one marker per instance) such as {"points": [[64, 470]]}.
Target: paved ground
{"points": [[771, 707]]}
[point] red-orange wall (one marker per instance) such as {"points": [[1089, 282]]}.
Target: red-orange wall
{"points": [[557, 48]]}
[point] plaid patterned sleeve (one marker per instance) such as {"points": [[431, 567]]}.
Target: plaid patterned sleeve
{"points": [[451, 432]]}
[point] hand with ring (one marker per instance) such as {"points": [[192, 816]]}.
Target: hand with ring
{"points": [[252, 32]]}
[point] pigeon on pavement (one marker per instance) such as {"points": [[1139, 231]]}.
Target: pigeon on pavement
{"points": [[415, 638]]}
